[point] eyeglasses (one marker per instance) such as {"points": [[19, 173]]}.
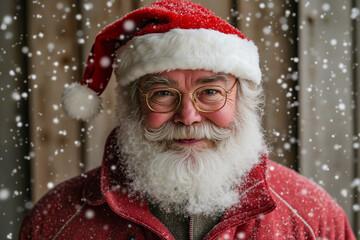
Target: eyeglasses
{"points": [[207, 99]]}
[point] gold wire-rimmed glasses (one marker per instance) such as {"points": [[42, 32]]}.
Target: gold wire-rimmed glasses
{"points": [[207, 99]]}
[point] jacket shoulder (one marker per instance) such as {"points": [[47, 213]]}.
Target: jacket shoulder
{"points": [[55, 207], [306, 203], [293, 186]]}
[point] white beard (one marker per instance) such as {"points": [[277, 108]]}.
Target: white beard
{"points": [[190, 180]]}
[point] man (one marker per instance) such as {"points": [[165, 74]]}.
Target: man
{"points": [[188, 159]]}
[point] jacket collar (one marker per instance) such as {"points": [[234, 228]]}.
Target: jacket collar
{"points": [[107, 184]]}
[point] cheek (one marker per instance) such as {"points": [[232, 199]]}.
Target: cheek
{"points": [[155, 120], [225, 116], [222, 118], [152, 119]]}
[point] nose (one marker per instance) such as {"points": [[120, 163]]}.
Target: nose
{"points": [[187, 114]]}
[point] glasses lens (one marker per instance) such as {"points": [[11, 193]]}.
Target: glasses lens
{"points": [[210, 98], [163, 99]]}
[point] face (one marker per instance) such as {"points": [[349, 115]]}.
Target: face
{"points": [[166, 165], [186, 81]]}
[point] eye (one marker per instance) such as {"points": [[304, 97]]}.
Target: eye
{"points": [[210, 91], [160, 93], [163, 96], [163, 100], [210, 95]]}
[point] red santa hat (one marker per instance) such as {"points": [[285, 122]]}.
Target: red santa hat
{"points": [[164, 36]]}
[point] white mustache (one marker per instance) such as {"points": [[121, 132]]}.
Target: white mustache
{"points": [[171, 131]]}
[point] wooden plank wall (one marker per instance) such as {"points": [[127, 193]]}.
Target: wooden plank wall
{"points": [[327, 122], [61, 34], [356, 111], [272, 27], [14, 125], [54, 62], [95, 16]]}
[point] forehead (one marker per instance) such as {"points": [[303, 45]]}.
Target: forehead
{"points": [[179, 77], [192, 74]]}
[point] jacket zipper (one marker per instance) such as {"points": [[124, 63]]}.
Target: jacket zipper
{"points": [[191, 228]]}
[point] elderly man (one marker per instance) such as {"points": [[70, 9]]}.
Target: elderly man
{"points": [[188, 159]]}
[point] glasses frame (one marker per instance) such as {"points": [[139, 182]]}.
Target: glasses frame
{"points": [[227, 92]]}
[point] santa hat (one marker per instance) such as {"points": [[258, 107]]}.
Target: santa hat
{"points": [[164, 36]]}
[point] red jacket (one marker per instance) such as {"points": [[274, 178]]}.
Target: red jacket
{"points": [[275, 203]]}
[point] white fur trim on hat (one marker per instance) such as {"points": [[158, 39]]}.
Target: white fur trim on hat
{"points": [[80, 102], [188, 49]]}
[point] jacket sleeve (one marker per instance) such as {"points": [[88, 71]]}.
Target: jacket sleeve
{"points": [[27, 230], [33, 225], [337, 226], [26, 227], [50, 213], [349, 235]]}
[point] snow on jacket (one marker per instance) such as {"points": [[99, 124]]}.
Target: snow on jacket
{"points": [[275, 203]]}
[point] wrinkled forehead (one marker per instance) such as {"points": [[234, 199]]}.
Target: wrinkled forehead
{"points": [[190, 77]]}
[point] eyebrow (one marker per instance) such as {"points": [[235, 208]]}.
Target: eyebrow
{"points": [[159, 80], [153, 80], [211, 79]]}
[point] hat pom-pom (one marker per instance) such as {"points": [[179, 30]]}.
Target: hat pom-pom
{"points": [[80, 102]]}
